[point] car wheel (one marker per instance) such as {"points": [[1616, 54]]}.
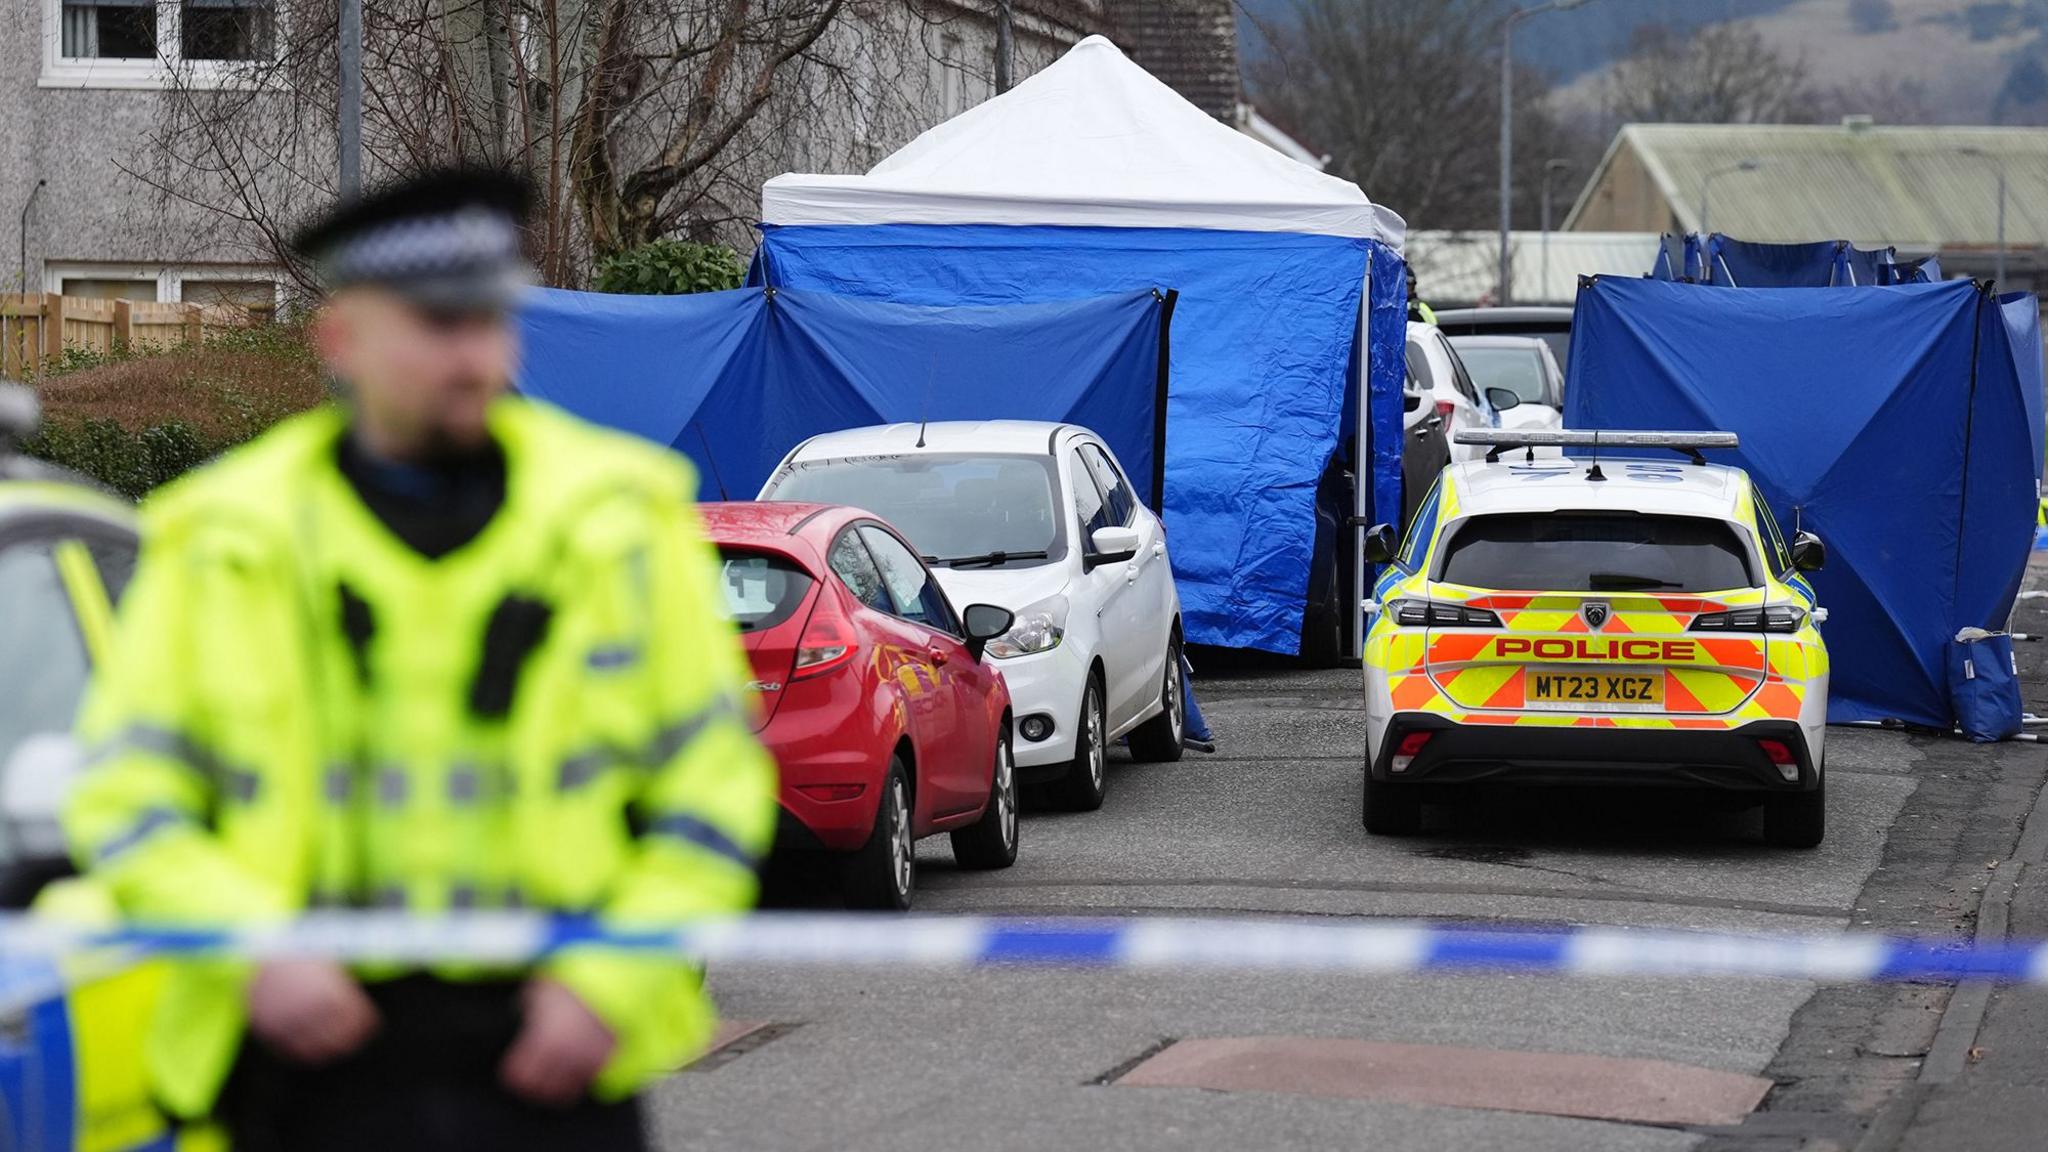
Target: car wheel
{"points": [[991, 842], [883, 872], [1087, 779], [1797, 819], [1391, 809], [1159, 739]]}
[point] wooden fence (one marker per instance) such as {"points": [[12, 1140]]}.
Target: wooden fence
{"points": [[37, 327]]}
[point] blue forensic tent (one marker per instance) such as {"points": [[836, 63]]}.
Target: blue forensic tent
{"points": [[736, 379], [1890, 422], [2022, 312], [1093, 177], [1730, 263]]}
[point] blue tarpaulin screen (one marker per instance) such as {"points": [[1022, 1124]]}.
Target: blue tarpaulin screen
{"points": [[2022, 312], [1730, 263], [736, 379], [1263, 340], [1888, 421]]}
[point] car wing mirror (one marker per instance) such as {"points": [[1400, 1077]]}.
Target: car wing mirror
{"points": [[1380, 544], [19, 415], [1502, 399], [1112, 544], [1410, 401], [1808, 553], [985, 622]]}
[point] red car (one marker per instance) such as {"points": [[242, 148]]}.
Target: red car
{"points": [[873, 695]]}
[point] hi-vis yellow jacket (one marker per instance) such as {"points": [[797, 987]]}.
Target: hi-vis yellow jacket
{"points": [[291, 719]]}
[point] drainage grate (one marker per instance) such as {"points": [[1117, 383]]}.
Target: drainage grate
{"points": [[742, 1039]]}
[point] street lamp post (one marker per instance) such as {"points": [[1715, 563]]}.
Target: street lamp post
{"points": [[1507, 128], [1551, 167], [1006, 49], [1706, 185], [350, 113], [1998, 269]]}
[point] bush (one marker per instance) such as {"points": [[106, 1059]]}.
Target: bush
{"points": [[671, 268], [130, 463], [136, 418]]}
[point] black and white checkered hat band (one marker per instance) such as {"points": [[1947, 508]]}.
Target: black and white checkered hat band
{"points": [[464, 242]]}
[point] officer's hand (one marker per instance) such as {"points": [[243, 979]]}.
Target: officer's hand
{"points": [[311, 1011], [560, 1049]]}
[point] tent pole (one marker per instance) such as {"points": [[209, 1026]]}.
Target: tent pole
{"points": [[1361, 467]]}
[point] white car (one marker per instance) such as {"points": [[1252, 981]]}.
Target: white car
{"points": [[1040, 519], [1523, 365], [1459, 402]]}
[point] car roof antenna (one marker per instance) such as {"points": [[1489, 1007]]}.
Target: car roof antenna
{"points": [[1594, 472], [924, 409], [711, 460]]}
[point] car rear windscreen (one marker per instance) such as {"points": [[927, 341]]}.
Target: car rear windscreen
{"points": [[1597, 552], [760, 590]]}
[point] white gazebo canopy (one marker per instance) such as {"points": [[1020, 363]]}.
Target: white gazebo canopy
{"points": [[1091, 141]]}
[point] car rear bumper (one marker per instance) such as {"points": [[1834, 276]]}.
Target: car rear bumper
{"points": [[830, 762], [1730, 759]]}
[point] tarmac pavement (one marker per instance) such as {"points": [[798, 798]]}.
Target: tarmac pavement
{"points": [[995, 1060]]}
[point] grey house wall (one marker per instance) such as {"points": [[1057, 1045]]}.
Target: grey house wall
{"points": [[79, 140]]}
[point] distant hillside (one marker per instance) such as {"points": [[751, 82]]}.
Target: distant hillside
{"points": [[1965, 61]]}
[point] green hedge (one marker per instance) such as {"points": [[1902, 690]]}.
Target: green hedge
{"points": [[671, 268], [130, 463]]}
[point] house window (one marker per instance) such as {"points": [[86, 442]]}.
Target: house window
{"points": [[108, 288], [256, 297], [224, 29], [154, 43], [952, 77], [109, 29]]}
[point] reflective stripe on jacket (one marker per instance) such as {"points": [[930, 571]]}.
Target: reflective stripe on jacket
{"points": [[249, 759]]}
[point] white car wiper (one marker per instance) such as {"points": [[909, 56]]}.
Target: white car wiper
{"points": [[985, 559]]}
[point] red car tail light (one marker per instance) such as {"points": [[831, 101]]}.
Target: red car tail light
{"points": [[1444, 408], [1780, 755], [1408, 749], [828, 641]]}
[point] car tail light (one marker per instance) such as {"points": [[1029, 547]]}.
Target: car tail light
{"points": [[1780, 754], [1407, 750], [1776, 618], [1444, 408], [828, 641], [1416, 613]]}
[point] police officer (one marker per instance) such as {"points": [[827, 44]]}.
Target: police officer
{"points": [[1418, 308], [432, 649]]}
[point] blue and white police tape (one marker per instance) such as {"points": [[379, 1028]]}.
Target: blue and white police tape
{"points": [[1138, 944]]}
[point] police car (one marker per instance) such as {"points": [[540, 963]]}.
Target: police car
{"points": [[1596, 619]]}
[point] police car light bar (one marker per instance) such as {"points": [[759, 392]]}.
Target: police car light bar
{"points": [[1508, 439]]}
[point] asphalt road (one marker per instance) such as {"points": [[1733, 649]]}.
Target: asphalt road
{"points": [[1028, 1059]]}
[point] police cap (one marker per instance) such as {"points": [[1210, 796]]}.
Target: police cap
{"points": [[448, 240]]}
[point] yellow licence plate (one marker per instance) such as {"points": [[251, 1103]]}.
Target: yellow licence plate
{"points": [[1595, 689]]}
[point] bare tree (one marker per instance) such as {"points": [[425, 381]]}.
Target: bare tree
{"points": [[1719, 74], [637, 118], [1404, 95]]}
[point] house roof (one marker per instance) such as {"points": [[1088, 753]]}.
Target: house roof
{"points": [[1454, 268], [1918, 188], [1190, 44]]}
